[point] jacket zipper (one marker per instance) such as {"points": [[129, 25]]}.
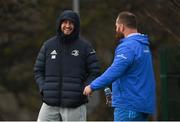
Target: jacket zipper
{"points": [[61, 52]]}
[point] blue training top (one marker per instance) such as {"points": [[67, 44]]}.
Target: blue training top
{"points": [[131, 75]]}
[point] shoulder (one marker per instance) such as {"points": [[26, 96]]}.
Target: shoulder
{"points": [[129, 44], [84, 42], [50, 41]]}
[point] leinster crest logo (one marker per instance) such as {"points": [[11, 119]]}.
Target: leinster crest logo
{"points": [[75, 52]]}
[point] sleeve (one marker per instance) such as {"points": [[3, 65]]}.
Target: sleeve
{"points": [[123, 58], [39, 68], [92, 65]]}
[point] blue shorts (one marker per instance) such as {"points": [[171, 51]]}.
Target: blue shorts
{"points": [[129, 115]]}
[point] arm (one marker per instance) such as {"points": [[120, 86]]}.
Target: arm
{"points": [[124, 56], [39, 68], [92, 65]]}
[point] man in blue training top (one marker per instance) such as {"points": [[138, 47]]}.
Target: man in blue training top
{"points": [[131, 73]]}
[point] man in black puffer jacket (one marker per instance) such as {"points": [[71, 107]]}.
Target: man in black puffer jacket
{"points": [[65, 64]]}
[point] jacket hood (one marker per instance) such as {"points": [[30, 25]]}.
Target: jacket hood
{"points": [[143, 39], [72, 16]]}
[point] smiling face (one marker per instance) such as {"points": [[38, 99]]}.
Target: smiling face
{"points": [[67, 27]]}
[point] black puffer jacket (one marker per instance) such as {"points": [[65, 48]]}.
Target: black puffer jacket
{"points": [[65, 65]]}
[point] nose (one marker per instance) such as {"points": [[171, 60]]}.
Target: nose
{"points": [[68, 23]]}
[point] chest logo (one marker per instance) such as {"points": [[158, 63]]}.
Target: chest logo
{"points": [[75, 52], [53, 54]]}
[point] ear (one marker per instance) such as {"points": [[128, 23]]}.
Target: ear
{"points": [[122, 28], [118, 29]]}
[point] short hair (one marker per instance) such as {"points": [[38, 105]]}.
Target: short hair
{"points": [[128, 19]]}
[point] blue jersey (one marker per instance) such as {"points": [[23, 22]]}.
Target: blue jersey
{"points": [[131, 75]]}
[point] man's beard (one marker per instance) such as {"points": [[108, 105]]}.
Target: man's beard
{"points": [[118, 36]]}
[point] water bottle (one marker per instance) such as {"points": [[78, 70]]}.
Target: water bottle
{"points": [[108, 95]]}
